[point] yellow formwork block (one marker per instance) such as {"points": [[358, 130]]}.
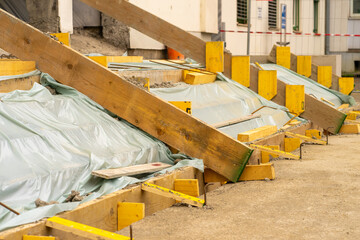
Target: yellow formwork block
{"points": [[291, 144], [343, 106], [8, 68], [351, 116], [346, 85], [324, 75], [256, 133], [31, 237], [63, 37], [267, 83], [313, 133], [82, 230], [215, 56], [183, 105], [187, 186], [283, 56], [350, 129], [185, 72], [128, 213], [105, 60], [304, 65], [265, 157], [258, 172], [195, 78], [295, 98], [240, 70]]}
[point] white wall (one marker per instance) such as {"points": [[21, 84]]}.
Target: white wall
{"points": [[339, 15], [65, 12]]}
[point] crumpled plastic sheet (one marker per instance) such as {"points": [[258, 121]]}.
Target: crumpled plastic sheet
{"points": [[29, 74], [225, 100], [311, 87], [50, 144]]}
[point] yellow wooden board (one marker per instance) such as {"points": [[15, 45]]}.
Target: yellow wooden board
{"points": [[273, 151], [258, 172], [128, 213], [324, 75], [30, 237], [283, 56], [185, 72], [304, 65], [305, 138], [165, 192], [82, 230], [215, 56], [295, 98], [265, 156], [240, 70], [351, 116], [313, 133], [63, 37], [346, 85], [350, 129], [291, 144], [9, 68], [267, 83], [105, 60], [187, 186], [256, 133], [183, 105], [195, 78]]}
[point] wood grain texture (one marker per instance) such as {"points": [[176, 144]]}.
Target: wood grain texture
{"points": [[160, 119], [152, 26]]}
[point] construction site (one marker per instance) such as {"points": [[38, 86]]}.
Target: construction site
{"points": [[192, 119]]}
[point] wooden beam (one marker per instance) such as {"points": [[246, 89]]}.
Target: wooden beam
{"points": [[129, 212], [265, 156], [350, 129], [276, 152], [258, 172], [149, 113], [195, 78], [30, 237], [82, 230], [18, 83], [257, 133], [131, 170], [305, 138], [152, 26], [13, 67]]}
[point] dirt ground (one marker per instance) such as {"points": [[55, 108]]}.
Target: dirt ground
{"points": [[317, 197]]}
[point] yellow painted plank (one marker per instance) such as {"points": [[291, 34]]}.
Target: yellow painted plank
{"points": [[350, 129], [305, 138], [265, 156], [105, 60], [346, 85], [267, 83], [304, 65], [343, 106], [313, 133], [256, 133], [185, 72], [351, 116], [295, 98], [8, 68], [240, 70], [258, 172], [172, 194], [215, 56], [273, 151], [291, 144], [283, 56], [187, 186], [30, 237], [82, 230], [183, 105], [195, 78], [128, 213], [324, 75], [63, 37]]}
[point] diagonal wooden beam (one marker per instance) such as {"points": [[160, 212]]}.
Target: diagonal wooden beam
{"points": [[160, 119]]}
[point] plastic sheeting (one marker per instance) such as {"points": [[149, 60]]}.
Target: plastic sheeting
{"points": [[50, 144], [311, 87], [226, 100]]}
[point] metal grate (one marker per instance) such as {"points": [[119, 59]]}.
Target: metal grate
{"points": [[272, 14], [242, 9]]}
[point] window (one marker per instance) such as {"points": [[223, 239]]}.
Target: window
{"points": [[316, 16], [296, 15], [242, 11], [355, 7], [272, 12]]}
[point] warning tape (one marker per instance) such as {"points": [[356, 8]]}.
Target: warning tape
{"points": [[305, 34]]}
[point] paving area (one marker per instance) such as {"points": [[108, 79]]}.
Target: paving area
{"points": [[314, 198]]}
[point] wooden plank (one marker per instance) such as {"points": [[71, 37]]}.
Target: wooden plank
{"points": [[152, 26], [295, 98], [82, 230], [129, 212], [350, 129], [215, 56], [164, 192], [291, 144], [258, 172], [9, 68], [187, 186], [195, 78], [305, 138], [265, 156], [311, 133], [149, 113], [236, 120], [276, 152], [18, 83], [240, 69], [227, 64], [31, 237], [267, 84], [256, 133], [102, 212], [131, 170], [346, 85]]}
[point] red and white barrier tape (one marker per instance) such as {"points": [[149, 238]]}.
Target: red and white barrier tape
{"points": [[305, 34]]}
